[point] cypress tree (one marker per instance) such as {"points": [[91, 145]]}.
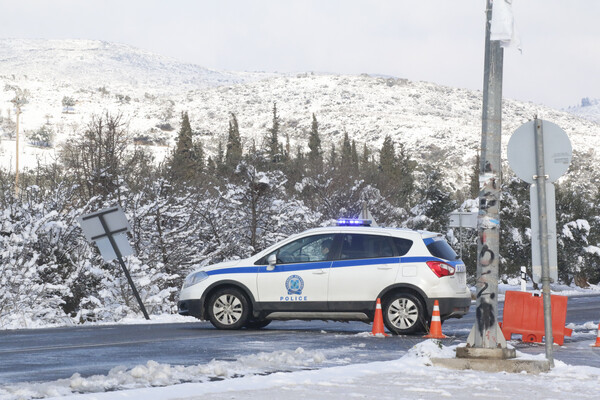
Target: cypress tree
{"points": [[288, 148], [315, 153], [474, 183], [184, 160], [387, 158], [354, 159], [198, 157], [364, 159], [332, 157], [436, 201], [233, 154], [405, 168], [220, 158], [273, 141], [346, 161]]}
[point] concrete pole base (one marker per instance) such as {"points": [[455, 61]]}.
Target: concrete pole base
{"points": [[493, 365], [491, 360], [487, 354]]}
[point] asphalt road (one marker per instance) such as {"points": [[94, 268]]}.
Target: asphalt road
{"points": [[48, 354]]}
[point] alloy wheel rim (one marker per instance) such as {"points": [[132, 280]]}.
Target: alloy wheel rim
{"points": [[228, 309], [403, 313]]}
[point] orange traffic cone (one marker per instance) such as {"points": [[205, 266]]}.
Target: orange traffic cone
{"points": [[378, 329], [435, 331], [597, 344]]}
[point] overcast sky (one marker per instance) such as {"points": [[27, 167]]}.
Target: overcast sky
{"points": [[438, 41]]}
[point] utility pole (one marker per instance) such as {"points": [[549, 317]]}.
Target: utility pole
{"points": [[19, 100], [18, 111], [486, 338]]}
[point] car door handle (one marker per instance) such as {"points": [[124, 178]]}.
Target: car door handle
{"points": [[319, 271], [384, 267]]}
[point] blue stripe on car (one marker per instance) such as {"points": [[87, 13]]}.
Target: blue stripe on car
{"points": [[327, 264]]}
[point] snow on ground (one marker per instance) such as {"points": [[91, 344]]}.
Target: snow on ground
{"points": [[322, 374], [410, 377], [156, 374], [24, 322]]}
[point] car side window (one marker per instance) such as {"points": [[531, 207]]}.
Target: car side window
{"points": [[366, 246], [307, 249], [402, 245]]}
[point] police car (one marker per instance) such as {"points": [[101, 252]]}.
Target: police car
{"points": [[334, 273]]}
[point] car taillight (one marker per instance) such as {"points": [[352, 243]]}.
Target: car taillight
{"points": [[440, 268]]}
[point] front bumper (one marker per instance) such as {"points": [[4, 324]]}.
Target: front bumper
{"points": [[191, 307]]}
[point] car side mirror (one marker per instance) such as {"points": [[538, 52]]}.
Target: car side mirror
{"points": [[271, 260]]}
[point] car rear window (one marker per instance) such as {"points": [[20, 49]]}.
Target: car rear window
{"points": [[441, 249], [402, 245]]}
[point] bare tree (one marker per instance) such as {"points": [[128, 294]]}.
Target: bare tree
{"points": [[98, 156]]}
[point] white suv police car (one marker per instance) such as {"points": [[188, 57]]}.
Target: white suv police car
{"points": [[334, 273]]}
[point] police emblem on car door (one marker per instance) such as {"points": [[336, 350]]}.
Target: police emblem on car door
{"points": [[300, 274]]}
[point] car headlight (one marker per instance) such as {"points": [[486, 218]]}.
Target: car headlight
{"points": [[194, 278]]}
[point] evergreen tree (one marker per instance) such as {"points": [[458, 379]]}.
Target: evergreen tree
{"points": [[185, 163], [220, 158], [273, 139], [474, 183], [287, 154], [576, 218], [346, 157], [315, 153], [436, 203], [404, 176], [332, 158], [198, 156], [365, 162], [387, 158], [354, 159], [234, 144], [515, 237], [211, 167]]}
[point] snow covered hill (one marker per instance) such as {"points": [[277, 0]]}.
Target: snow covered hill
{"points": [[436, 123], [589, 109], [92, 63]]}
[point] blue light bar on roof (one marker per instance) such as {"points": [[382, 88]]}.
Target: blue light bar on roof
{"points": [[353, 222]]}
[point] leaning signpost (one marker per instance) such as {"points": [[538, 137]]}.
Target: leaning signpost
{"points": [[540, 152], [108, 228]]}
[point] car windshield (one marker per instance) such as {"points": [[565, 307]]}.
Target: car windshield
{"points": [[441, 249]]}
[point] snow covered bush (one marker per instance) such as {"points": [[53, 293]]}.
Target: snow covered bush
{"points": [[38, 267]]}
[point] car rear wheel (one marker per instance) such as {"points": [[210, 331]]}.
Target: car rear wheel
{"points": [[403, 314], [228, 308]]}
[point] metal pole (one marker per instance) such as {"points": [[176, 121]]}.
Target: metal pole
{"points": [[543, 220], [120, 258], [460, 233], [486, 333]]}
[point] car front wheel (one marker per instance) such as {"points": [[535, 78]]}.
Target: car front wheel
{"points": [[403, 314], [228, 308]]}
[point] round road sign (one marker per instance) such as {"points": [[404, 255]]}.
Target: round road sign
{"points": [[557, 151]]}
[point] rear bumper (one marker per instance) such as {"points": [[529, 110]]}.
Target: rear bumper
{"points": [[191, 307], [450, 307]]}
